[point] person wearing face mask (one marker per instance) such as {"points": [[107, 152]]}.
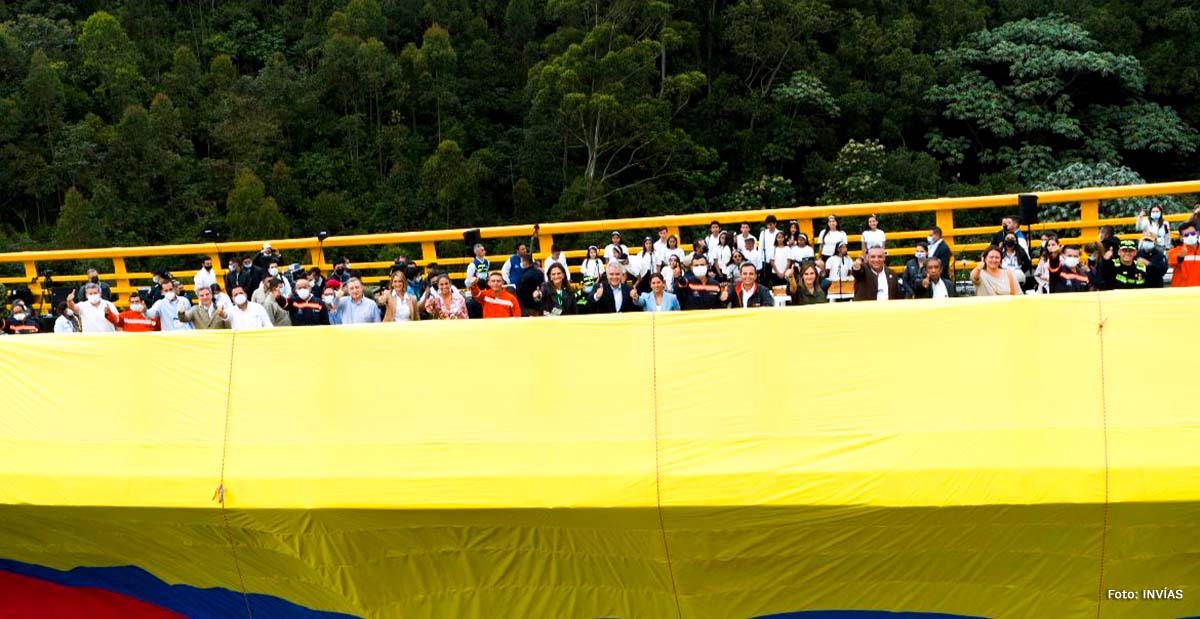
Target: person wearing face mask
{"points": [[93, 277], [273, 272], [341, 271], [20, 321], [1158, 227], [1015, 258], [305, 309], [134, 319], [167, 309], [1066, 271], [699, 290], [245, 314], [95, 314], [1185, 259], [254, 275], [207, 313], [939, 248], [66, 321], [914, 269], [1153, 259], [266, 256], [205, 277], [329, 298], [237, 276]]}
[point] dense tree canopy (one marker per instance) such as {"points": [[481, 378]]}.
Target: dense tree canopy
{"points": [[146, 122]]}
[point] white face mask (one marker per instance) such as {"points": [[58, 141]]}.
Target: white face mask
{"points": [[137, 307], [700, 270], [19, 317], [303, 293], [239, 299], [1146, 245], [929, 239], [329, 299], [273, 270], [93, 298], [170, 296], [1071, 261], [1191, 240], [920, 255], [70, 313]]}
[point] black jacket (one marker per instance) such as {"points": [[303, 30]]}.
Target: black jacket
{"points": [[307, 313], [760, 298], [696, 296], [239, 277], [943, 253], [1157, 267], [549, 302], [913, 270], [606, 305], [1062, 280], [921, 292], [531, 279]]}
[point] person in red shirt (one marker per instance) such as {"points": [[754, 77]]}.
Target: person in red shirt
{"points": [[496, 301], [134, 319], [1185, 259]]}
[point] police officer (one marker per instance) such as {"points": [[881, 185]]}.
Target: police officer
{"points": [[1125, 271]]}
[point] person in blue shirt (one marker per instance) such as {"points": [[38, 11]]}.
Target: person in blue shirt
{"points": [[658, 299]]}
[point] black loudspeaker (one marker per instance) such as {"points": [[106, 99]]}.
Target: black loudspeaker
{"points": [[59, 294], [1029, 208], [470, 238]]}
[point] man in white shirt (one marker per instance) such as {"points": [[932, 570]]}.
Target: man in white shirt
{"points": [[712, 241], [934, 285], [168, 308], [739, 240], [245, 314], [556, 257], [766, 238], [95, 314], [660, 246], [205, 277], [873, 281]]}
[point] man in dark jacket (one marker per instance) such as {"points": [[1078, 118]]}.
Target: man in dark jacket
{"points": [[1066, 273], [1154, 259], [938, 248], [237, 276], [933, 284], [867, 283], [699, 289], [748, 292], [531, 279], [304, 308], [612, 295], [1125, 271], [93, 277]]}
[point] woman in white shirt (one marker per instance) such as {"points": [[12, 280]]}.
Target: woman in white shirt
{"points": [[801, 250], [401, 304], [723, 252], [672, 272], [672, 250], [1156, 224], [592, 269], [66, 322], [872, 236], [643, 265], [837, 267], [781, 262], [831, 236]]}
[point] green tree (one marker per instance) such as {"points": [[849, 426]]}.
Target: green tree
{"points": [[250, 214], [113, 60], [1034, 95], [79, 225]]}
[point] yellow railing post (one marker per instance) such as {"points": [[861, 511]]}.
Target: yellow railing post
{"points": [[429, 252], [806, 227], [316, 256], [945, 221], [121, 273], [35, 285], [545, 243], [1089, 210]]}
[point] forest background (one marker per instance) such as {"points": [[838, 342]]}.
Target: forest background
{"points": [[146, 122]]}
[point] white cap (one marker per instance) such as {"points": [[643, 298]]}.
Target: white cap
{"points": [[266, 246]]}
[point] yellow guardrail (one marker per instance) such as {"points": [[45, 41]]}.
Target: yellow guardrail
{"points": [[35, 263]]}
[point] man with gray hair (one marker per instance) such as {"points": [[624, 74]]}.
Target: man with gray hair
{"points": [[95, 314], [478, 267], [934, 285], [612, 296], [354, 308]]}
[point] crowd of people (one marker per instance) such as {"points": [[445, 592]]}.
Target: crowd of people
{"points": [[725, 269]]}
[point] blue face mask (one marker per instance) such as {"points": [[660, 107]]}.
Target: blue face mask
{"points": [[1155, 215]]}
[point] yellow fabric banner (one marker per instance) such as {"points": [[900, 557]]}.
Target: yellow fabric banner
{"points": [[981, 457]]}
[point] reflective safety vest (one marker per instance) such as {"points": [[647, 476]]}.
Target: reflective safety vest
{"points": [[482, 266], [1132, 276]]}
